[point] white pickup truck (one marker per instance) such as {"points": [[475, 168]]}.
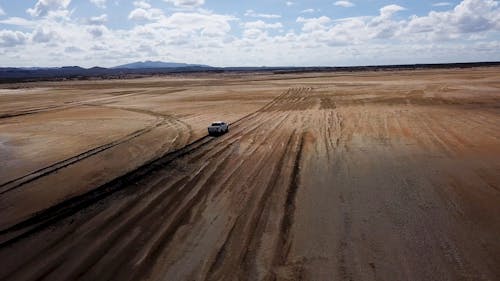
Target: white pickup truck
{"points": [[218, 128]]}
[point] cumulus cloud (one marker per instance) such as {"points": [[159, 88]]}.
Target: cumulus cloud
{"points": [[139, 14], [289, 3], [43, 7], [312, 24], [467, 21], [41, 35], [9, 38], [145, 12], [469, 17], [465, 31], [99, 3], [186, 3], [211, 25], [192, 30], [252, 13], [389, 10], [345, 4], [2, 12]]}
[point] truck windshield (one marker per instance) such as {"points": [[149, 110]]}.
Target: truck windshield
{"points": [[216, 124]]}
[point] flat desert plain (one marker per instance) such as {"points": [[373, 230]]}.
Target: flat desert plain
{"points": [[384, 175]]}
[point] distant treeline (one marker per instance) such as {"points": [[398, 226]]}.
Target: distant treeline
{"points": [[14, 75]]}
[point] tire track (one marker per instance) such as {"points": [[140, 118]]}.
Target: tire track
{"points": [[77, 103], [242, 246], [64, 209], [264, 202], [251, 218], [283, 246], [62, 107], [20, 181], [206, 185], [162, 119], [141, 224], [73, 205], [148, 215]]}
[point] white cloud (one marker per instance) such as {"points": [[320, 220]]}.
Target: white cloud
{"points": [[43, 7], [254, 35], [142, 4], [141, 14], [289, 3], [16, 21], [9, 38], [463, 32], [314, 24], [470, 17], [186, 3], [262, 25], [2, 12], [99, 3], [144, 11], [252, 13], [345, 4], [42, 35], [307, 11], [211, 25], [467, 21], [99, 20], [441, 4], [389, 10], [191, 30]]}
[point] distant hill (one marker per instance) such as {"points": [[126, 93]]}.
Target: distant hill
{"points": [[156, 64], [142, 69]]}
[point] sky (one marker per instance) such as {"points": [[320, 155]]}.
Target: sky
{"points": [[48, 33]]}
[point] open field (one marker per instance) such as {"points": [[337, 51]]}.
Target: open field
{"points": [[323, 176]]}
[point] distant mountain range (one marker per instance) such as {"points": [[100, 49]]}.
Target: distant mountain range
{"points": [[136, 69], [157, 64], [148, 68]]}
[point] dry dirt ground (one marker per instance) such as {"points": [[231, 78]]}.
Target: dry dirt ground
{"points": [[323, 176]]}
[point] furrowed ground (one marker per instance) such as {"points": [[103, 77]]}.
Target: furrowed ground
{"points": [[343, 176]]}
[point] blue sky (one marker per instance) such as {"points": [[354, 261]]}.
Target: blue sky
{"points": [[247, 33]]}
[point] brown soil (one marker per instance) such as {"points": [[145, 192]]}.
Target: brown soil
{"points": [[332, 176]]}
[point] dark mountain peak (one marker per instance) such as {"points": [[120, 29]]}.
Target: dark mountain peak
{"points": [[72, 68], [156, 64]]}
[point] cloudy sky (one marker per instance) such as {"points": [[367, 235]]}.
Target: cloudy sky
{"points": [[248, 33]]}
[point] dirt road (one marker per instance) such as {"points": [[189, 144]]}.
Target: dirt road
{"points": [[319, 184]]}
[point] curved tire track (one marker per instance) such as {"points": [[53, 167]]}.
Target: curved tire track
{"points": [[73, 205], [162, 119]]}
